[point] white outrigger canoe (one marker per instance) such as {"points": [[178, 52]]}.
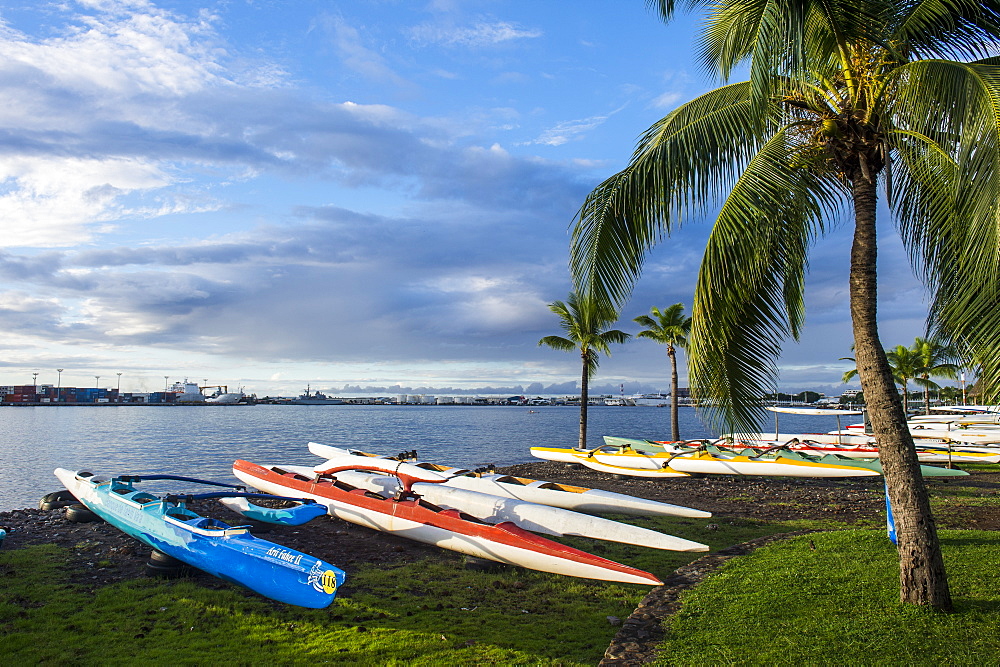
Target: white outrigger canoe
{"points": [[491, 509], [637, 464], [411, 517], [566, 496]]}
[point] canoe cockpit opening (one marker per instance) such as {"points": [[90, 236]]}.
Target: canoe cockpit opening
{"points": [[507, 479], [453, 513], [432, 466], [553, 486], [206, 523], [123, 490], [181, 514], [143, 498], [336, 483]]}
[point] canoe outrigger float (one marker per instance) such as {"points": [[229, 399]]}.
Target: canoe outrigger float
{"points": [[408, 515], [566, 496], [227, 552]]}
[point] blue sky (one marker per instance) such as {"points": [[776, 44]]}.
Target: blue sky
{"points": [[362, 194]]}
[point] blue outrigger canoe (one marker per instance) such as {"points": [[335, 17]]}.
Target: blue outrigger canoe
{"points": [[227, 552]]}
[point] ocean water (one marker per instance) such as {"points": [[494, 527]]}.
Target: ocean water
{"points": [[202, 441]]}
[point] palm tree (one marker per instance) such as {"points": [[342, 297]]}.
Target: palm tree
{"points": [[904, 364], [934, 359], [842, 95], [586, 323], [669, 327]]}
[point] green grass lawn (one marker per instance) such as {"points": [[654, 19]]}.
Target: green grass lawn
{"points": [[838, 604], [786, 604], [430, 613]]}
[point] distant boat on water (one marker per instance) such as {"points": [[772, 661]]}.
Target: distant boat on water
{"points": [[654, 400], [316, 398], [187, 392], [226, 398]]}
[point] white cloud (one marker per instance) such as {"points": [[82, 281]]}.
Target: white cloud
{"points": [[481, 34], [356, 55], [124, 49], [571, 130], [667, 100], [51, 202]]}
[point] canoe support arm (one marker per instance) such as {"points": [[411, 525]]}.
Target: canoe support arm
{"points": [[176, 498], [406, 481], [177, 478]]}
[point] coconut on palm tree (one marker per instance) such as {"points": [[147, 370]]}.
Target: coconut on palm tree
{"points": [[586, 322], [669, 327], [843, 96]]}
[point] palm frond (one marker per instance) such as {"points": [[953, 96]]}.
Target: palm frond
{"points": [[681, 166], [558, 343], [948, 207], [749, 293], [959, 30]]}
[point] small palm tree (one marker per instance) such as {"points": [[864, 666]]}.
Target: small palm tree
{"points": [[586, 323], [669, 327], [934, 359], [904, 364], [853, 373]]}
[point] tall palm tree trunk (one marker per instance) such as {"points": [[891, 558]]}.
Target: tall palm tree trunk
{"points": [[921, 567], [675, 426], [584, 399]]}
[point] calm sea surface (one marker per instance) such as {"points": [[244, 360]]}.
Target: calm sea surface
{"points": [[203, 441]]}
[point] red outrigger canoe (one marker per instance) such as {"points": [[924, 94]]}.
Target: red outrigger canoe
{"points": [[409, 516]]}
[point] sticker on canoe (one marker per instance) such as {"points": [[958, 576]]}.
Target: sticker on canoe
{"points": [[322, 580]]}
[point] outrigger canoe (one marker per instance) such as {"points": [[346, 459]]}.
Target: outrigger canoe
{"points": [[494, 509], [817, 450], [632, 467], [566, 496], [227, 552], [409, 516], [648, 459]]}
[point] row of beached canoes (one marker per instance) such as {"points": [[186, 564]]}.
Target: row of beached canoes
{"points": [[484, 515], [647, 458], [481, 514], [846, 452]]}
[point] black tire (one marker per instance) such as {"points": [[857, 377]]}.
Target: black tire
{"points": [[56, 500], [80, 514], [165, 571], [163, 560]]}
